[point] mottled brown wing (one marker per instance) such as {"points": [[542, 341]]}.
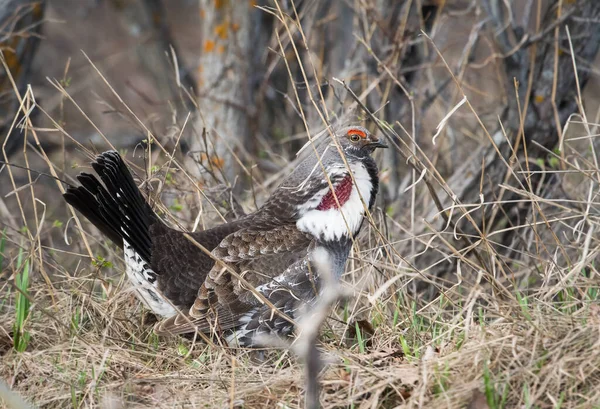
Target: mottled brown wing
{"points": [[233, 296], [254, 242], [215, 309], [239, 251], [262, 270], [181, 265], [288, 293], [223, 299]]}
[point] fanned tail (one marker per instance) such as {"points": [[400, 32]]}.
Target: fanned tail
{"points": [[115, 206]]}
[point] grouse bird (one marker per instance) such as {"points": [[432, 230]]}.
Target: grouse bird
{"points": [[329, 218], [172, 275]]}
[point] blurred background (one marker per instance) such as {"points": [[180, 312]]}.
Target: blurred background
{"points": [[232, 88], [229, 65]]}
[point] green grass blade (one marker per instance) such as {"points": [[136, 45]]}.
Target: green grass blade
{"points": [[21, 337]]}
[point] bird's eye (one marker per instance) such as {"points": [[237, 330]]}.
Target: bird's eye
{"points": [[354, 137]]}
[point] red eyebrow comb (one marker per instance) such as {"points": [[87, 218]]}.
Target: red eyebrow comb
{"points": [[358, 132]]}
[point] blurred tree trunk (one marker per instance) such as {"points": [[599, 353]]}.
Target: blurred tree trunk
{"points": [[20, 27], [146, 20], [226, 69]]}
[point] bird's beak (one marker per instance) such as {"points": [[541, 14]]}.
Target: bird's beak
{"points": [[377, 144]]}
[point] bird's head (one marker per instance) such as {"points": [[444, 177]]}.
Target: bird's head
{"points": [[357, 142]]}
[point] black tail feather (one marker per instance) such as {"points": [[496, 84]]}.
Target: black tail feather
{"points": [[86, 203], [125, 197], [115, 206]]}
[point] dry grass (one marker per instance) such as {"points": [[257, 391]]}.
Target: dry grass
{"points": [[509, 323], [90, 346]]}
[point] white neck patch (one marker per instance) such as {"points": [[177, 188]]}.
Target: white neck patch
{"points": [[330, 224]]}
